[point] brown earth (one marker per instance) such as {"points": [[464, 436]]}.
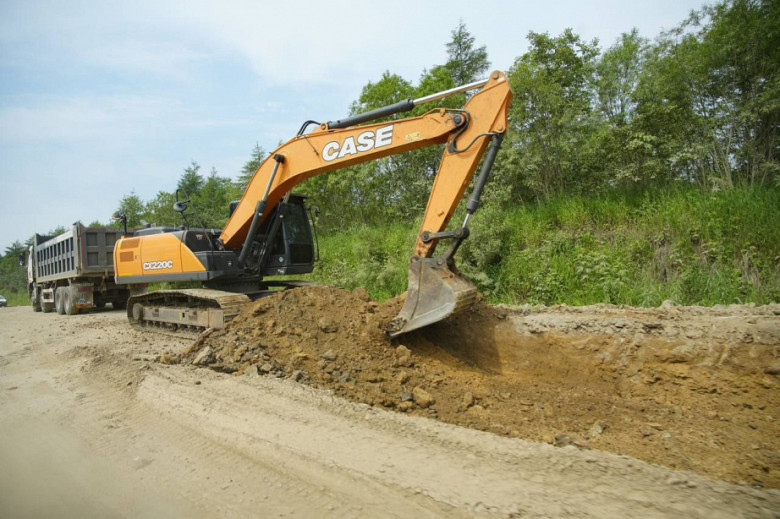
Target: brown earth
{"points": [[686, 387]]}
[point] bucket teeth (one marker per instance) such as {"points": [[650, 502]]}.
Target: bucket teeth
{"points": [[435, 292]]}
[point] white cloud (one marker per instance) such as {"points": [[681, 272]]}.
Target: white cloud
{"points": [[63, 118], [302, 41], [159, 59]]}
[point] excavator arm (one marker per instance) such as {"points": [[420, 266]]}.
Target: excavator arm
{"points": [[435, 289]]}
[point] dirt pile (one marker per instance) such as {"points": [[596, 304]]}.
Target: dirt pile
{"points": [[324, 336], [690, 388]]}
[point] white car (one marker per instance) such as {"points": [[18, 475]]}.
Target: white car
{"points": [[3, 301]]}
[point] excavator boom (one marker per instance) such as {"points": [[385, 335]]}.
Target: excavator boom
{"points": [[334, 147], [435, 288]]}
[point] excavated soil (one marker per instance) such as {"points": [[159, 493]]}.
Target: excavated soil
{"points": [[686, 387]]}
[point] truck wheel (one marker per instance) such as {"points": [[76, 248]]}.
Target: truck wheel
{"points": [[34, 298], [47, 307], [58, 303], [68, 302]]}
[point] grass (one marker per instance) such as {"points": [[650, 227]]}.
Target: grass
{"points": [[17, 298], [371, 257], [638, 249]]}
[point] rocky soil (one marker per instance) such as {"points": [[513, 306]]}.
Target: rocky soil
{"points": [[686, 387]]}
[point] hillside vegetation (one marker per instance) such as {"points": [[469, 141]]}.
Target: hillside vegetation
{"points": [[682, 245]]}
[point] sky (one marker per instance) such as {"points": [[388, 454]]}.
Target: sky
{"points": [[100, 99]]}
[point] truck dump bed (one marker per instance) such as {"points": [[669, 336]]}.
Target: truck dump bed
{"points": [[77, 253]]}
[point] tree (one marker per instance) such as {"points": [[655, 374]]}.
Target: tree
{"points": [[13, 250], [709, 95], [621, 149], [250, 167], [740, 50], [465, 63], [159, 210], [617, 75], [550, 115], [213, 199], [437, 79], [13, 277], [191, 180], [391, 88], [133, 208], [371, 192], [396, 187]]}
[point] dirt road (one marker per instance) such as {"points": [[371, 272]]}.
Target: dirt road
{"points": [[92, 426]]}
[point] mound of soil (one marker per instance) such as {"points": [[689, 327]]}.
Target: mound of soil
{"points": [[690, 388]]}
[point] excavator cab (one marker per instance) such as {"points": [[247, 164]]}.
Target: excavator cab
{"points": [[292, 249], [283, 244]]}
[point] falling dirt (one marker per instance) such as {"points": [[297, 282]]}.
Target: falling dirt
{"points": [[686, 387]]}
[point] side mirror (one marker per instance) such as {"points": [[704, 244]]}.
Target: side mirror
{"points": [[121, 217], [21, 260], [180, 207]]}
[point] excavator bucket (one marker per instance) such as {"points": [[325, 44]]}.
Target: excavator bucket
{"points": [[435, 292]]}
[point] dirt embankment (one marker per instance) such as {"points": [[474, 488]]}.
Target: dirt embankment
{"points": [[689, 388]]}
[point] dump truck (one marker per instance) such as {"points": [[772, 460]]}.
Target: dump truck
{"points": [[74, 271]]}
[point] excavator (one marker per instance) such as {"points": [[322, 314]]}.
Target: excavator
{"points": [[269, 231]]}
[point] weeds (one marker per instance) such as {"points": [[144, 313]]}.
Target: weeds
{"points": [[640, 249]]}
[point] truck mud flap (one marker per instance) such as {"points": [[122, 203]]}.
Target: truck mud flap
{"points": [[435, 292]]}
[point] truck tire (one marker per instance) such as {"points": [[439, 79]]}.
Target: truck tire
{"points": [[35, 298], [47, 307], [58, 302], [68, 302]]}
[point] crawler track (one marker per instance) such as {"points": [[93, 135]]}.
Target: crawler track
{"points": [[185, 312]]}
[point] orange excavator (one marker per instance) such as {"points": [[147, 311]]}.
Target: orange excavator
{"points": [[269, 233]]}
